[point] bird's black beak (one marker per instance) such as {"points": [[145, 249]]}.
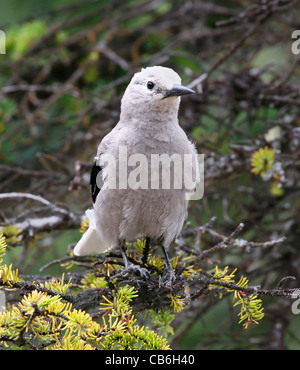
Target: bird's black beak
{"points": [[178, 90]]}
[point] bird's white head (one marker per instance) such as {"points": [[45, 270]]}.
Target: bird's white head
{"points": [[154, 90]]}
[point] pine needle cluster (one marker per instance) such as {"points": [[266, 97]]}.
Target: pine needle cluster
{"points": [[43, 319]]}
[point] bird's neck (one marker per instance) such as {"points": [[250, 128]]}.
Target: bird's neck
{"points": [[153, 123], [142, 114]]}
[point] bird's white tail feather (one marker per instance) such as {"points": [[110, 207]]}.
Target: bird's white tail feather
{"points": [[90, 241]]}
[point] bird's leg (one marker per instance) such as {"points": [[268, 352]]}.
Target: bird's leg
{"points": [[146, 250], [124, 255], [169, 277], [130, 266]]}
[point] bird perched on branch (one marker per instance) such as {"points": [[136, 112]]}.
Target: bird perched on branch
{"points": [[138, 180]]}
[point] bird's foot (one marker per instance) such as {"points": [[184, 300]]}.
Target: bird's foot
{"points": [[130, 267], [168, 278], [144, 273]]}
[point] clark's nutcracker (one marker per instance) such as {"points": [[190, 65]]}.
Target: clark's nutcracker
{"points": [[148, 129]]}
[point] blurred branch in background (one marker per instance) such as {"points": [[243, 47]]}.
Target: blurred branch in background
{"points": [[62, 78]]}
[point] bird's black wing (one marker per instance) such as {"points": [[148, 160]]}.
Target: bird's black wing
{"points": [[93, 180]]}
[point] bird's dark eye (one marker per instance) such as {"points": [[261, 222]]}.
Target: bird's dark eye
{"points": [[150, 85]]}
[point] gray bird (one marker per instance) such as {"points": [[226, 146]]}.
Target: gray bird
{"points": [[137, 180]]}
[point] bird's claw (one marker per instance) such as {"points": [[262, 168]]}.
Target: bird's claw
{"points": [[168, 278], [144, 273]]}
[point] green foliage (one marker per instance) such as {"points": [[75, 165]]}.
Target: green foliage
{"points": [[262, 161], [42, 319], [3, 247], [251, 306], [162, 320], [59, 287], [276, 188], [45, 317], [123, 334], [177, 303], [8, 276], [223, 276], [7, 109], [12, 233], [54, 324], [92, 281], [19, 38], [84, 225]]}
